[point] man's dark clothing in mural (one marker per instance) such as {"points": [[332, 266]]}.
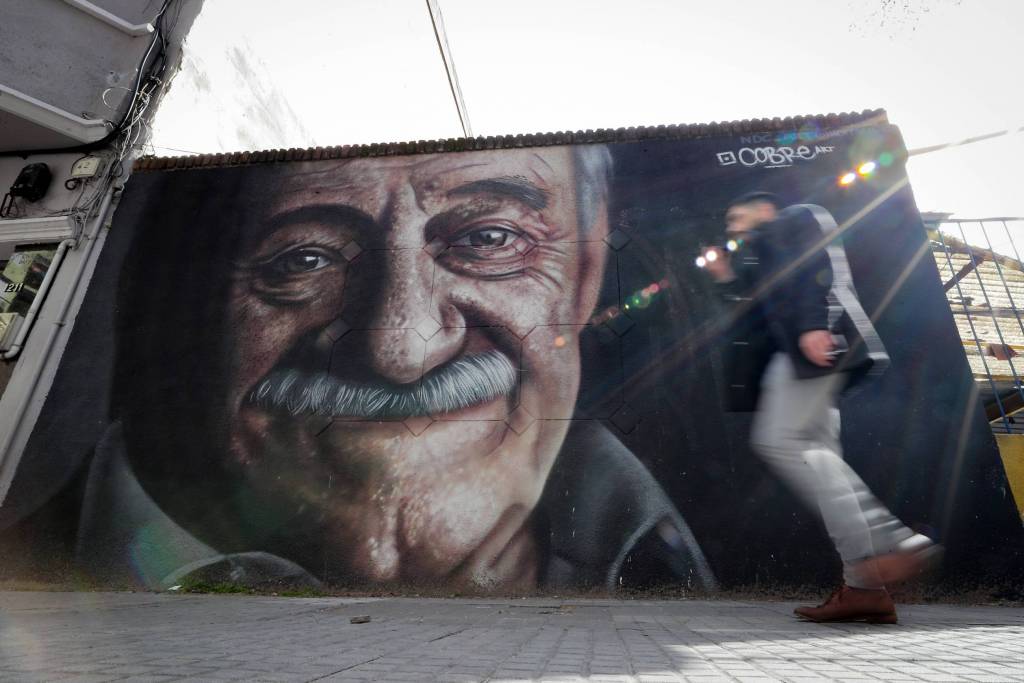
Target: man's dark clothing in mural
{"points": [[602, 511]]}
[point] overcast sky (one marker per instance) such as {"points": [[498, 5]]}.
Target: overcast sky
{"points": [[357, 71]]}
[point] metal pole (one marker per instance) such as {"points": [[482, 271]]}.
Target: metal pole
{"points": [[974, 333], [995, 320], [1008, 235], [449, 65], [1002, 278]]}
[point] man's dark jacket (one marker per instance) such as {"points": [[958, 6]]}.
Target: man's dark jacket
{"points": [[603, 521], [792, 277]]}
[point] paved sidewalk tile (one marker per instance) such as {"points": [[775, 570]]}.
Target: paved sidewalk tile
{"points": [[99, 637]]}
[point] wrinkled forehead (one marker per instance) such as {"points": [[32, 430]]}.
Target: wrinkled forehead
{"points": [[375, 181]]}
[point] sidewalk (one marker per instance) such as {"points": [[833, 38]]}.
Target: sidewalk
{"points": [[93, 637]]}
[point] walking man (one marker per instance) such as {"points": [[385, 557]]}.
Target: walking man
{"points": [[799, 337]]}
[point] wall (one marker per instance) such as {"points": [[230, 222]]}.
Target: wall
{"points": [[484, 370], [68, 69]]}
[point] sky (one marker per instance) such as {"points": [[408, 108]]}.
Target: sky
{"points": [[361, 71]]}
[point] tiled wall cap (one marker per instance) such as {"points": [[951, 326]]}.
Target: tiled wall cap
{"points": [[673, 131]]}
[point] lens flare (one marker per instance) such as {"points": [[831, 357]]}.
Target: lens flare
{"points": [[732, 245], [559, 341], [867, 168], [711, 255], [847, 178], [701, 261], [885, 159]]}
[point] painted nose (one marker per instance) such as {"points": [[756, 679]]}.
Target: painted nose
{"points": [[408, 335], [398, 326]]}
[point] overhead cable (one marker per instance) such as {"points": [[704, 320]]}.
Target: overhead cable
{"points": [[965, 141], [449, 65]]}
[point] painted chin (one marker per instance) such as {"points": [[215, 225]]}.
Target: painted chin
{"points": [[507, 556], [427, 499], [459, 528]]}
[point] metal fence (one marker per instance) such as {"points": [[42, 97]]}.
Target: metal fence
{"points": [[983, 275]]}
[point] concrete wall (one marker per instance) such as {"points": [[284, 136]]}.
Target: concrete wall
{"points": [[486, 370], [66, 77], [56, 53]]}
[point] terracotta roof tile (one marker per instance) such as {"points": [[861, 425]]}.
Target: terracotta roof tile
{"points": [[601, 135]]}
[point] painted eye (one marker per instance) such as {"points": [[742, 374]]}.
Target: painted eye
{"points": [[487, 238], [299, 261]]}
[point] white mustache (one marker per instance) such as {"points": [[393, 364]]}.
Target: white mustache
{"points": [[468, 381]]}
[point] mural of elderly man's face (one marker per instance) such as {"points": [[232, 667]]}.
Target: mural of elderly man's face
{"points": [[403, 357]]}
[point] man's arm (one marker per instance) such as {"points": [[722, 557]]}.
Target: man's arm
{"points": [[731, 282], [720, 269], [811, 284]]}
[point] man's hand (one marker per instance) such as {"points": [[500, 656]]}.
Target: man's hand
{"points": [[719, 268], [816, 346]]}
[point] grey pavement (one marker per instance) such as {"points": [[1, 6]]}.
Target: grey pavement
{"points": [[93, 637]]}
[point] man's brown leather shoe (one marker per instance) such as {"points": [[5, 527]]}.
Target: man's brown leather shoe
{"points": [[853, 604]]}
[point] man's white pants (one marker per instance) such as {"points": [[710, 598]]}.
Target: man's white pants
{"points": [[796, 433]]}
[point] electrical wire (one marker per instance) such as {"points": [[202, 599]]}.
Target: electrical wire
{"points": [[965, 141], [94, 189], [437, 22], [131, 129], [152, 74]]}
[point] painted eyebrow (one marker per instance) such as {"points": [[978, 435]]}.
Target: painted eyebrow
{"points": [[519, 189], [319, 213], [335, 215]]}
